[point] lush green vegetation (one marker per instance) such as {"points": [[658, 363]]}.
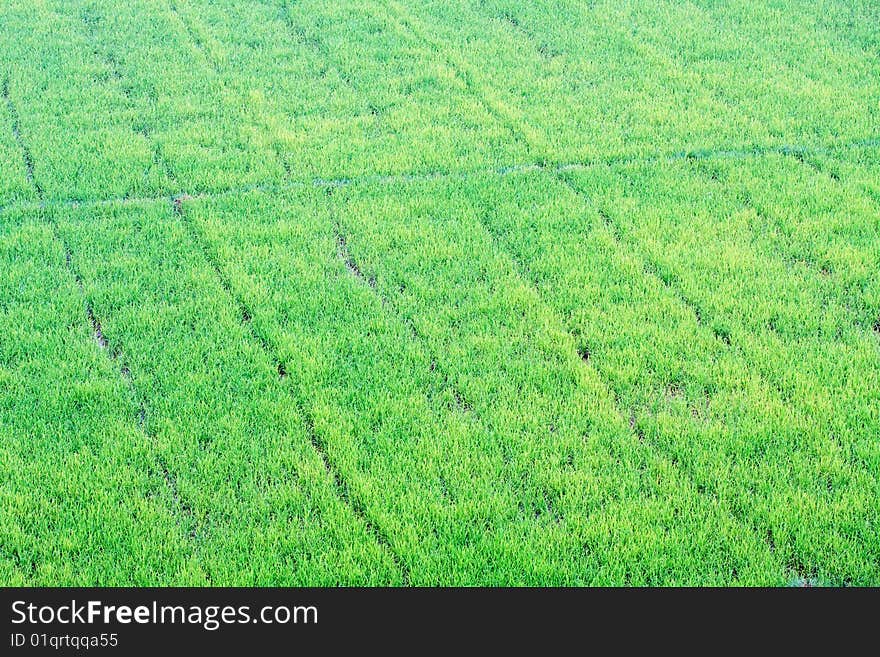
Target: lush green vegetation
{"points": [[475, 292]]}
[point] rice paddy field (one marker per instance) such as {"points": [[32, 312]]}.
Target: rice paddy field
{"points": [[471, 292]]}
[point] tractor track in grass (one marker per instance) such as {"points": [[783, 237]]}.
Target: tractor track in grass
{"points": [[345, 255], [541, 47], [703, 319], [255, 112], [788, 259], [650, 268], [185, 514], [547, 52], [427, 176], [654, 270], [197, 40], [340, 485]]}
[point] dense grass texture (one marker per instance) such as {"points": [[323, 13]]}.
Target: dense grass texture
{"points": [[478, 292]]}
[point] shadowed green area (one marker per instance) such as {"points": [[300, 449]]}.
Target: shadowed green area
{"points": [[14, 186]]}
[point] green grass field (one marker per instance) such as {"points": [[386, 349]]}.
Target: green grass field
{"points": [[373, 292]]}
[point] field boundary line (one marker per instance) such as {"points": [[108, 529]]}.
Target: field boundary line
{"points": [[340, 485], [777, 251], [252, 110], [633, 246], [464, 175]]}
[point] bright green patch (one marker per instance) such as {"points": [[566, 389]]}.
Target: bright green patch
{"points": [[386, 293]]}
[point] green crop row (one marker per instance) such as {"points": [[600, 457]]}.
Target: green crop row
{"points": [[608, 79], [81, 498], [454, 403], [253, 494]]}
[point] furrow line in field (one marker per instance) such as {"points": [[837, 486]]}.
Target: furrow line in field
{"points": [[89, 20], [806, 160], [643, 46], [191, 524], [787, 258], [112, 61], [346, 257], [416, 177], [542, 48], [19, 140], [344, 254], [177, 203], [113, 353], [94, 322], [801, 153], [340, 485], [652, 269]]}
